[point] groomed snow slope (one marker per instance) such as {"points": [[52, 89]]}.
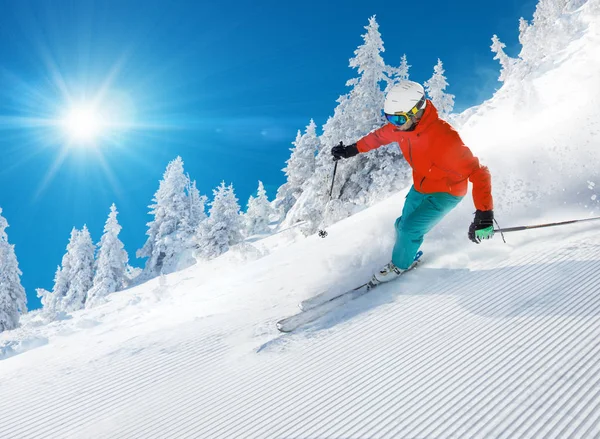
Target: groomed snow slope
{"points": [[504, 347], [495, 340]]}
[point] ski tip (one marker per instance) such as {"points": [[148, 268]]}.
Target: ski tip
{"points": [[281, 328]]}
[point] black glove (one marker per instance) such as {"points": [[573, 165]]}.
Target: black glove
{"points": [[344, 152], [482, 226]]}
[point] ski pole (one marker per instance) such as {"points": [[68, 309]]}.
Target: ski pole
{"points": [[333, 179], [300, 223], [335, 159], [539, 226], [323, 233]]}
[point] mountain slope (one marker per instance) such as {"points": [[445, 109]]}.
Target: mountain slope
{"points": [[490, 340], [507, 348]]}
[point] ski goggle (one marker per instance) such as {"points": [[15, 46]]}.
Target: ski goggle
{"points": [[400, 117], [397, 119]]}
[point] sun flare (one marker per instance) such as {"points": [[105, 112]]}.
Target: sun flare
{"points": [[83, 124]]}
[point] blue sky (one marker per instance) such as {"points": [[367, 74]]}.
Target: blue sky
{"points": [[225, 86]]}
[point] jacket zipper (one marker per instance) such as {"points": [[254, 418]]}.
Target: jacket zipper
{"points": [[421, 184]]}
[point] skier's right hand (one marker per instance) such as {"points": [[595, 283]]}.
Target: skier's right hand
{"points": [[344, 152]]}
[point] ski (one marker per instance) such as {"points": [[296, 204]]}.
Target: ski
{"points": [[326, 296], [290, 323], [322, 304]]}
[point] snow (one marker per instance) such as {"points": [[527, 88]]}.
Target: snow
{"points": [[479, 341], [491, 340]]}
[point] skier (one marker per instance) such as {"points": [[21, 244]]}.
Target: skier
{"points": [[441, 165]]}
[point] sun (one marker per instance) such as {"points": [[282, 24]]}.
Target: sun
{"points": [[83, 124]]}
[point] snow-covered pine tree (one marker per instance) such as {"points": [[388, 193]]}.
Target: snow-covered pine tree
{"points": [[167, 236], [523, 30], [13, 300], [81, 274], [366, 177], [285, 197], [402, 72], [195, 214], [111, 264], [300, 168], [360, 111], [397, 74], [435, 87], [506, 62], [52, 302], [196, 208], [223, 227], [541, 36], [555, 24], [257, 217]]}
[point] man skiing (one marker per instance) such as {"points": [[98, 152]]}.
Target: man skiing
{"points": [[442, 166]]}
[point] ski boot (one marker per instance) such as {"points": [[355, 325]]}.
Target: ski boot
{"points": [[390, 272]]}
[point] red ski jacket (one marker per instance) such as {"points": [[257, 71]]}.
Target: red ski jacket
{"points": [[439, 159]]}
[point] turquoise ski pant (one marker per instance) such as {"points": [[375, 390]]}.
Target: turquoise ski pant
{"points": [[420, 214]]}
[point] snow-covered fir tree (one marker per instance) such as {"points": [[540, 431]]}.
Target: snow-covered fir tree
{"points": [[223, 227], [111, 264], [300, 167], [402, 72], [74, 277], [506, 62], [13, 300], [359, 111], [555, 24], [196, 208], [81, 275], [366, 177], [52, 301], [257, 216], [170, 231], [543, 36], [195, 215], [397, 74], [287, 194], [435, 87]]}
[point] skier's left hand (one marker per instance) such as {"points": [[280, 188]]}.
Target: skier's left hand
{"points": [[342, 151], [482, 226]]}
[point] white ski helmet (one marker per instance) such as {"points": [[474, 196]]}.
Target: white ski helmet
{"points": [[403, 97]]}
